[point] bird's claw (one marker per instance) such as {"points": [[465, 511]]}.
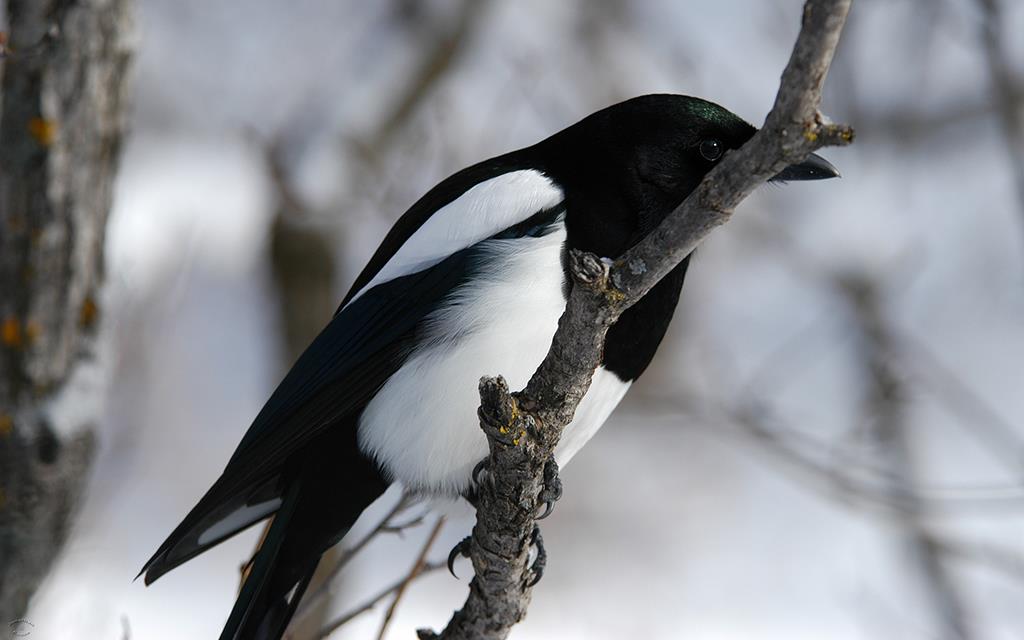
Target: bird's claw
{"points": [[536, 570], [480, 480], [548, 508], [461, 549], [552, 489], [480, 468]]}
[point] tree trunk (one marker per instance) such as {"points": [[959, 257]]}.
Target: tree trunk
{"points": [[61, 112]]}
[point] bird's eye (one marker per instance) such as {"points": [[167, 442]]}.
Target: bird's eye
{"points": [[711, 150]]}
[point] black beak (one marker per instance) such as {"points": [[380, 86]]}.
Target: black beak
{"points": [[813, 168]]}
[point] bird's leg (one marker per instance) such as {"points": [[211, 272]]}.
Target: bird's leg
{"points": [[552, 489], [536, 570]]}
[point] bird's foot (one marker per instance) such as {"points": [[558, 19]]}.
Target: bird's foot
{"points": [[552, 489], [533, 573], [461, 549], [536, 570]]}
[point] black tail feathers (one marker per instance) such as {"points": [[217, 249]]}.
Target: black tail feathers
{"points": [[280, 574], [317, 498], [310, 520]]}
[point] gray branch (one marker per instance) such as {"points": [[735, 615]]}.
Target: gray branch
{"points": [[60, 128], [523, 428]]}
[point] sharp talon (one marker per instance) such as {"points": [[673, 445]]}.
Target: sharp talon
{"points": [[478, 469], [552, 489], [461, 549], [549, 506], [540, 562]]}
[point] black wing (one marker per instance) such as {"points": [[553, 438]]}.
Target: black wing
{"points": [[442, 194], [337, 375]]}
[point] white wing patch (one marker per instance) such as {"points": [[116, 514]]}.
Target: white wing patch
{"points": [[421, 426], [239, 518], [482, 211]]}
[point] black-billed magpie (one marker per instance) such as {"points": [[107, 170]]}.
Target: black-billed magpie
{"points": [[470, 281]]}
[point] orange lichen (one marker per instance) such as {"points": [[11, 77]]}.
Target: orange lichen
{"points": [[10, 332], [43, 130], [88, 313], [6, 425]]}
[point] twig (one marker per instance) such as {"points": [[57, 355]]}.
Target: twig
{"points": [[523, 429], [413, 572], [756, 420], [830, 475], [246, 567], [402, 526], [427, 568], [383, 526]]}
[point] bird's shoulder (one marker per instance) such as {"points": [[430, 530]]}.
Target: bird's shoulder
{"points": [[464, 209]]}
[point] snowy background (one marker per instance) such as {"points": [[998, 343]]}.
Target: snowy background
{"points": [[744, 489]]}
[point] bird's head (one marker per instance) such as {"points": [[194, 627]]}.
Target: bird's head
{"points": [[627, 166]]}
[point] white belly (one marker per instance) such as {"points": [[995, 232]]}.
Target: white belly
{"points": [[422, 426]]}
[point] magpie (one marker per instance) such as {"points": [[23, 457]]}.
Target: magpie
{"points": [[470, 281]]}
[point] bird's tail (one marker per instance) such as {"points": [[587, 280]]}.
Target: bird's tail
{"points": [[281, 571]]}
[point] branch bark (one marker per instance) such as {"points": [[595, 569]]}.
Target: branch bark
{"points": [[523, 428], [60, 128]]}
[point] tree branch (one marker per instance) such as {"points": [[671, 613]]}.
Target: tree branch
{"points": [[334, 625], [414, 572], [523, 428]]}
